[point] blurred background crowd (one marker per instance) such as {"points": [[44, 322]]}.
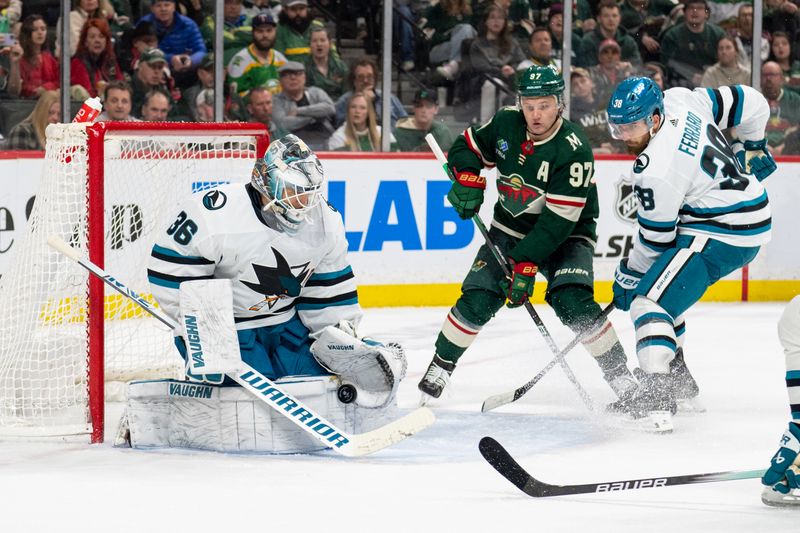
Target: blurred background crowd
{"points": [[311, 67]]}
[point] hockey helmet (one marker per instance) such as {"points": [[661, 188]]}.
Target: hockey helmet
{"points": [[541, 81], [632, 106], [290, 176]]}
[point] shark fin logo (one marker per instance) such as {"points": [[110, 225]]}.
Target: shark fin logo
{"points": [[278, 282]]}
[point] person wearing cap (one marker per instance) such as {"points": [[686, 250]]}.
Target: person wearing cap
{"points": [[236, 32], [324, 68], [589, 111], [608, 27], [305, 111], [179, 38], [257, 64], [688, 48], [205, 80], [294, 30], [411, 131], [151, 74], [204, 105], [610, 70]]}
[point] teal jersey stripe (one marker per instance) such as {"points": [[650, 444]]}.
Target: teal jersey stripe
{"points": [[647, 317], [331, 275], [173, 253], [313, 307], [163, 283], [724, 209]]}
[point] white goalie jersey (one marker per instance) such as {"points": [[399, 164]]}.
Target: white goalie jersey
{"points": [[222, 233], [688, 181]]}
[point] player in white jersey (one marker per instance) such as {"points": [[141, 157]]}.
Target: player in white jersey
{"points": [[782, 479], [284, 249], [701, 215]]}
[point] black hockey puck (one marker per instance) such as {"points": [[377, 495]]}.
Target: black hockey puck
{"points": [[347, 393]]}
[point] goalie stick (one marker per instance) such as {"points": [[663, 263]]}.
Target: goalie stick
{"points": [[501, 460], [493, 402], [503, 262], [265, 390]]}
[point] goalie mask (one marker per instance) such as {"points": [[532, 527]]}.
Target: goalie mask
{"points": [[290, 176]]}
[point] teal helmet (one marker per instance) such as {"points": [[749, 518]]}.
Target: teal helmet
{"points": [[541, 81]]}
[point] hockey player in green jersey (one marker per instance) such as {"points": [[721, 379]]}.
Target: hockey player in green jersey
{"points": [[544, 221]]}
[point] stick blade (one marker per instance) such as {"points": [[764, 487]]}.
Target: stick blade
{"points": [[501, 460], [392, 433], [493, 402]]}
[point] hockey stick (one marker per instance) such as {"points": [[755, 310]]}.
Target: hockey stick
{"points": [[493, 402], [265, 390], [501, 460], [503, 262]]}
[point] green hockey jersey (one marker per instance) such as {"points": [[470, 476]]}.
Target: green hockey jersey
{"points": [[546, 188]]}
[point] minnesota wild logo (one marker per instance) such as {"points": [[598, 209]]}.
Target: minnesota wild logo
{"points": [[518, 197]]}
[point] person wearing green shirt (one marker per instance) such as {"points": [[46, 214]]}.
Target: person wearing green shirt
{"points": [[294, 30], [688, 48], [324, 68], [236, 31], [257, 65], [411, 131], [545, 221]]}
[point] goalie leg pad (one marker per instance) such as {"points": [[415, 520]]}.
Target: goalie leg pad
{"points": [[374, 368], [178, 414]]}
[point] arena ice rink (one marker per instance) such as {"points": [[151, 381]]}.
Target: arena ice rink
{"points": [[437, 480]]}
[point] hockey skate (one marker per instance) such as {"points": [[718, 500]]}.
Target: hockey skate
{"points": [[778, 498], [684, 386], [435, 379], [624, 386], [652, 404]]}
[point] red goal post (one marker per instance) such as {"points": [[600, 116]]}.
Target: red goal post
{"points": [[105, 189]]}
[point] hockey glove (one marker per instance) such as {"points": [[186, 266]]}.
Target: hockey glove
{"points": [[754, 158], [783, 473], [625, 283], [520, 288], [466, 193]]}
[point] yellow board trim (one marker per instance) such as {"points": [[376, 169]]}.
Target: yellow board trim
{"points": [[446, 294], [117, 307]]}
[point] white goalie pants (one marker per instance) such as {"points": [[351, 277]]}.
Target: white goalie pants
{"points": [[180, 414]]}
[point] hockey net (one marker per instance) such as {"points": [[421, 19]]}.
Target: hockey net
{"points": [[105, 189]]}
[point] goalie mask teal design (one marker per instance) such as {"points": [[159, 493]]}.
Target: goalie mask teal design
{"points": [[290, 176]]}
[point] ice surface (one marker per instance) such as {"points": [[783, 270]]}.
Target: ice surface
{"points": [[437, 481]]}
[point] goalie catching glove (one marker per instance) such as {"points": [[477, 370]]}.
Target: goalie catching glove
{"points": [[373, 367], [754, 157], [466, 193]]}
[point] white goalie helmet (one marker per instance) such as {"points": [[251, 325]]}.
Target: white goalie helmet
{"points": [[290, 176]]}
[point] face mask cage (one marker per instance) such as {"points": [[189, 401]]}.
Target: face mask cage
{"points": [[291, 180]]}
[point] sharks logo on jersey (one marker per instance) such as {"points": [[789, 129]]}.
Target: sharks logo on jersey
{"points": [[278, 282]]}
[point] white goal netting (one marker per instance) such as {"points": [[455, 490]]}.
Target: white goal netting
{"points": [[44, 339]]}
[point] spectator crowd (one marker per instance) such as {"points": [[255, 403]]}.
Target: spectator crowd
{"points": [[154, 60]]}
